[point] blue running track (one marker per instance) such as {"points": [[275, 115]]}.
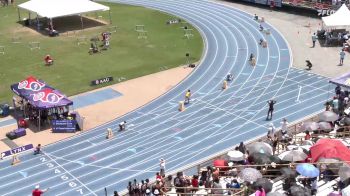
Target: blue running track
{"points": [[213, 122]]}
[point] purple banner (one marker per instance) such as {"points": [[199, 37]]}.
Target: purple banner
{"points": [[17, 150]]}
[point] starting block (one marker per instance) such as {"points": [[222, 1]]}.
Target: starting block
{"points": [[262, 19], [109, 133], [181, 106], [253, 61], [224, 85], [15, 160]]}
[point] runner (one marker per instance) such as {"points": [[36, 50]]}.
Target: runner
{"points": [[188, 97], [37, 150], [122, 126]]}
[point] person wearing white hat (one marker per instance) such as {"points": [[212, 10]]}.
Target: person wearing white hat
{"points": [[162, 166], [38, 192]]}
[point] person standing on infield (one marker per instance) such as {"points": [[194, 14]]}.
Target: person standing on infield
{"points": [[271, 103]]}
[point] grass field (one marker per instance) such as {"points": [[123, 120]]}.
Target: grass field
{"points": [[74, 68]]}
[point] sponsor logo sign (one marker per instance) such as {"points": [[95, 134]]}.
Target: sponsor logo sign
{"points": [[101, 81], [16, 150]]}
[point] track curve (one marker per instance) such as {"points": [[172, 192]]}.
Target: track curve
{"points": [[214, 121]]}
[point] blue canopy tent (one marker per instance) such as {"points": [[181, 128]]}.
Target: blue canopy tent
{"points": [[343, 80], [40, 95]]}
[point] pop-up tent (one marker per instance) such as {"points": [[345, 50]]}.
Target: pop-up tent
{"points": [[343, 80], [341, 18], [60, 8], [39, 95]]}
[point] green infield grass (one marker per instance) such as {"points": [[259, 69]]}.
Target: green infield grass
{"points": [[74, 69]]}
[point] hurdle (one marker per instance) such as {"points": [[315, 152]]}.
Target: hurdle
{"points": [[2, 50], [34, 45], [81, 40], [139, 27], [15, 159], [113, 29], [188, 33], [16, 40], [142, 35]]}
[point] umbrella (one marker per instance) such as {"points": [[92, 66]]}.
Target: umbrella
{"points": [[346, 191], [235, 155], [330, 148], [293, 155], [309, 126], [259, 158], [265, 183], [308, 170], [297, 190], [344, 173], [325, 126], [250, 174], [261, 147], [288, 172], [328, 116], [220, 163], [333, 164]]}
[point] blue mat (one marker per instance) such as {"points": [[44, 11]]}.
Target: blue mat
{"points": [[7, 122], [94, 97]]}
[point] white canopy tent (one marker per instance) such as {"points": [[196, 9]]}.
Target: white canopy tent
{"points": [[341, 18], [59, 8]]}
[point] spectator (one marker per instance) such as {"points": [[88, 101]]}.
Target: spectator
{"points": [[284, 126], [136, 188], [313, 186], [242, 148], [194, 183], [209, 179], [335, 104], [116, 193], [143, 187], [130, 189], [217, 187], [274, 144], [307, 135], [37, 149], [260, 191], [162, 166], [234, 184], [38, 192], [158, 176], [337, 90], [168, 184], [179, 183]]}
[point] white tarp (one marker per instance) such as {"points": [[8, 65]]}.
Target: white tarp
{"points": [[341, 18], [59, 8]]}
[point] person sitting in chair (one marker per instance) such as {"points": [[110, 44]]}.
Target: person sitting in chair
{"points": [[93, 48], [122, 126], [48, 60]]}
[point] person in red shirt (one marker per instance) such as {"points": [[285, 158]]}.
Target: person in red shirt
{"points": [[48, 60], [38, 192], [307, 136], [195, 183]]}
